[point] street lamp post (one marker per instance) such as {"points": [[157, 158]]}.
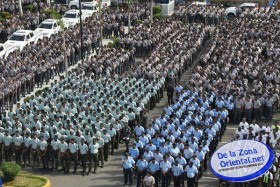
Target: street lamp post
{"points": [[81, 28]]}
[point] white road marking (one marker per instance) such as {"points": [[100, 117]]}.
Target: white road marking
{"points": [[211, 178]]}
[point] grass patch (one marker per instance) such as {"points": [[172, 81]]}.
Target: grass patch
{"points": [[27, 181]]}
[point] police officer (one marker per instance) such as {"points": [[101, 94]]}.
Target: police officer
{"points": [[34, 148], [142, 166], [100, 151], [83, 153], [42, 149], [154, 169], [165, 167], [177, 172], [128, 165], [93, 147], [63, 155], [7, 140], [126, 135], [107, 138], [73, 154], [27, 141], [18, 142], [191, 174], [54, 151], [112, 132]]}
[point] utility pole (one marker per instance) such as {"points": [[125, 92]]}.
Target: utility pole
{"points": [[100, 20], [20, 8], [81, 28], [152, 11], [128, 12]]}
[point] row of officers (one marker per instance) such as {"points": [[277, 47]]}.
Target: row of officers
{"points": [[163, 171], [59, 152]]}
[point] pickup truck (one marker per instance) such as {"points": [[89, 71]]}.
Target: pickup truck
{"points": [[72, 17], [88, 9], [4, 52], [236, 11], [49, 27], [22, 38], [75, 3]]}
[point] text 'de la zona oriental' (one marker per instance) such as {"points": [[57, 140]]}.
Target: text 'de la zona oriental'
{"points": [[245, 159]]}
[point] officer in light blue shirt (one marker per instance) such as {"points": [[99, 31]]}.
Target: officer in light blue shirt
{"points": [[128, 164], [142, 166], [154, 169], [156, 141], [134, 152], [191, 174], [177, 171]]}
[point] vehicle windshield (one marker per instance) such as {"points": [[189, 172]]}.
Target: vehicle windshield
{"points": [[17, 37], [45, 26], [67, 15], [87, 7]]}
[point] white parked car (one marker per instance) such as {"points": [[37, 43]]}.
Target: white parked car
{"points": [[236, 11], [72, 17], [22, 38], [75, 3], [49, 27], [199, 4], [88, 9], [4, 52]]}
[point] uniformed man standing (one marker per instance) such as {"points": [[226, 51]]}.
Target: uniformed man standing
{"points": [[191, 174], [112, 132], [165, 167], [73, 154], [34, 148], [7, 140], [126, 135], [83, 151], [18, 142], [107, 138], [100, 151], [154, 169], [54, 151], [93, 156], [26, 149], [142, 166], [63, 155], [43, 148], [128, 164], [177, 172]]}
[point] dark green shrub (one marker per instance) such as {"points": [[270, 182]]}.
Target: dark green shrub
{"points": [[156, 10], [37, 93], [157, 16], [4, 15], [10, 170], [27, 99]]}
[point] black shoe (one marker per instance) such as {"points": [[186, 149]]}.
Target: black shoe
{"points": [[88, 173]]}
